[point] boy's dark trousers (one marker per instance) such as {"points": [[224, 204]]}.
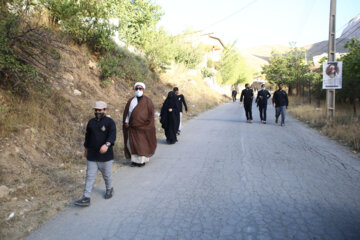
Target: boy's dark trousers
{"points": [[248, 111], [262, 110]]}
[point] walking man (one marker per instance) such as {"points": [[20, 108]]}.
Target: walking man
{"points": [[181, 101], [139, 128], [280, 102], [261, 100], [99, 141], [247, 95], [233, 94]]}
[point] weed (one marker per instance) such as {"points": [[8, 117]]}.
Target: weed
{"points": [[344, 127]]}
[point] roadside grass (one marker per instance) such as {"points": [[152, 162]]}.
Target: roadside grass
{"points": [[345, 127], [41, 143]]}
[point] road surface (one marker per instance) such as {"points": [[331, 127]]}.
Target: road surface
{"points": [[227, 179]]}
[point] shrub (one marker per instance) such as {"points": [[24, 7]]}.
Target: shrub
{"points": [[205, 72], [15, 74], [188, 55], [121, 63]]}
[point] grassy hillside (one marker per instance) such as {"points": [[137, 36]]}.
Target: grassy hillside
{"points": [[41, 156]]}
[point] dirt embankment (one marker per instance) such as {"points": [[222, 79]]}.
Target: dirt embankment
{"points": [[42, 167]]}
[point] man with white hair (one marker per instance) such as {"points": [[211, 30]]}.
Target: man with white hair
{"points": [[139, 128], [99, 139]]}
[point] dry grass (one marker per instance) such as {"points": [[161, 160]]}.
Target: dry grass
{"points": [[345, 127], [41, 138]]}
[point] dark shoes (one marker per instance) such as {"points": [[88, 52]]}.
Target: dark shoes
{"points": [[109, 193], [276, 121], [134, 164], [83, 202]]}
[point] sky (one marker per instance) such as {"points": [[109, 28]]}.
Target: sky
{"points": [[258, 22]]}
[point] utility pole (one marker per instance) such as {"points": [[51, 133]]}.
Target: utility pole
{"points": [[330, 93]]}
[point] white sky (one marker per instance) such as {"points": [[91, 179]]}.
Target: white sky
{"points": [[258, 22]]}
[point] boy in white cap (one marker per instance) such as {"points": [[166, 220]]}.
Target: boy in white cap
{"points": [[99, 139]]}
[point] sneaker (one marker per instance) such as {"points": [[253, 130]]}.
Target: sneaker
{"points": [[276, 120], [264, 122], [83, 202], [109, 193], [134, 164], [282, 124], [141, 164]]}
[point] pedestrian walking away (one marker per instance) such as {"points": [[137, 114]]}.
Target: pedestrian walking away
{"points": [[280, 102], [180, 102], [233, 94], [169, 117], [99, 141], [261, 101], [139, 128], [247, 95]]}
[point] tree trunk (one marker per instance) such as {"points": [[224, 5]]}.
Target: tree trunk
{"points": [[290, 91], [354, 106]]}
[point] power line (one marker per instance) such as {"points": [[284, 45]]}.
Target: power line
{"points": [[343, 39], [231, 15], [221, 20]]}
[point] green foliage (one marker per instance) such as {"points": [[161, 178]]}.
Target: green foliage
{"points": [[233, 68], [206, 72], [289, 68], [158, 48], [187, 54], [351, 72], [15, 75], [86, 21], [123, 64]]}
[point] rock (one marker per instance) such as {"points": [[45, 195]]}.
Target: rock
{"points": [[92, 65], [77, 92], [68, 76], [4, 191], [10, 216]]}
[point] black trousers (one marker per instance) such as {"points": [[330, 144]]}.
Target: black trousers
{"points": [[248, 111], [262, 110]]}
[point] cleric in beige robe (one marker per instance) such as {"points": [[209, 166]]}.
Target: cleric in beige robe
{"points": [[139, 127]]}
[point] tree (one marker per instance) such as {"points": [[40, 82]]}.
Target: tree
{"points": [[233, 68], [351, 73]]}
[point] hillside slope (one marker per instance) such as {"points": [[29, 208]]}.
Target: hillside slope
{"points": [[42, 167]]}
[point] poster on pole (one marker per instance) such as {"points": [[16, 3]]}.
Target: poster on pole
{"points": [[332, 75]]}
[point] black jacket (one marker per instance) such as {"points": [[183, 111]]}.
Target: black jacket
{"points": [[280, 98], [97, 134], [248, 95], [181, 101], [262, 97]]}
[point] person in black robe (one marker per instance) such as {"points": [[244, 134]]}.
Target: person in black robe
{"points": [[169, 117]]}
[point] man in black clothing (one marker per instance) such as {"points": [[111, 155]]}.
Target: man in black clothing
{"points": [[233, 94], [280, 102], [261, 100], [180, 102], [247, 95], [99, 139]]}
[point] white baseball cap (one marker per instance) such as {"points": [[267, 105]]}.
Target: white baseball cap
{"points": [[100, 105]]}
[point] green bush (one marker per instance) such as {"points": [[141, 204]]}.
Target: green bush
{"points": [[205, 72], [15, 75], [187, 54], [121, 63]]}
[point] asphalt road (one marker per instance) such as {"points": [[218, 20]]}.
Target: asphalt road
{"points": [[227, 179]]}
